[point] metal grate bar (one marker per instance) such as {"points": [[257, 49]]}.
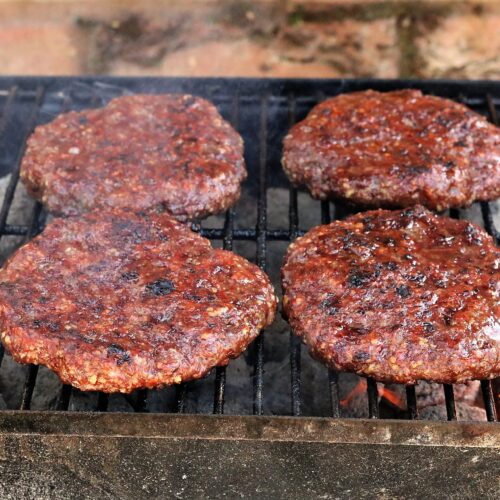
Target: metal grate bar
{"points": [[489, 225], [180, 398], [220, 371], [258, 381], [411, 402], [372, 390], [227, 244], [11, 96], [36, 225], [102, 401], [14, 230], [29, 387], [333, 376], [333, 381], [487, 385], [241, 234], [293, 228], [220, 387], [102, 397], [3, 123], [492, 109], [11, 188], [141, 400], [489, 400], [295, 343], [64, 398], [66, 390], [449, 395]]}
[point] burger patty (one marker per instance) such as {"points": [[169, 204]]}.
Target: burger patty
{"points": [[137, 152], [397, 295], [115, 301], [395, 149]]}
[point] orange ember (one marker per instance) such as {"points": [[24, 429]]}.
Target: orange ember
{"points": [[383, 392]]}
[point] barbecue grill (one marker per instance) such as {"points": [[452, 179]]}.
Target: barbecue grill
{"points": [[297, 452]]}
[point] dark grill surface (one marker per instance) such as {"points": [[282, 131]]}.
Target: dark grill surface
{"points": [[262, 111]]}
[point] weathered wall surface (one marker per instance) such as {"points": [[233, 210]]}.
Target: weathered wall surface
{"points": [[321, 38]]}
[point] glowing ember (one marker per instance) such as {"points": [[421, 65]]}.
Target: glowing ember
{"points": [[383, 392]]}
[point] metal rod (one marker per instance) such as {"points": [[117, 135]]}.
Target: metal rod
{"points": [[333, 380], [325, 212], [141, 401], [451, 411], [220, 371], [258, 379], [11, 188], [411, 402], [372, 390], [102, 401], [29, 387], [66, 390], [64, 398], [227, 244], [489, 224], [295, 343], [6, 108], [180, 397], [11, 95], [489, 400], [492, 109], [295, 367], [242, 234], [220, 386]]}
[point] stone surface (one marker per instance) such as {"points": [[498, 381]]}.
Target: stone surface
{"points": [[292, 38], [460, 46], [32, 49], [217, 58], [352, 48], [50, 455]]}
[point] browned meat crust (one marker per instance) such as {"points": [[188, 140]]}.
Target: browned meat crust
{"points": [[398, 296], [137, 152], [116, 301], [395, 149]]}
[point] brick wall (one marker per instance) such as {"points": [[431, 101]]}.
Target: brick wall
{"points": [[328, 38]]}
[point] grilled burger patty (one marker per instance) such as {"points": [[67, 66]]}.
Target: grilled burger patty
{"points": [[395, 149], [115, 301], [136, 152], [398, 296]]}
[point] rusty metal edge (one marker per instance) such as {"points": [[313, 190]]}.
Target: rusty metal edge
{"points": [[264, 428]]}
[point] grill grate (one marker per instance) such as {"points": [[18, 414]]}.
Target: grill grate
{"points": [[272, 107]]}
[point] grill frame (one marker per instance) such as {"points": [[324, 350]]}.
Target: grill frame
{"points": [[267, 93]]}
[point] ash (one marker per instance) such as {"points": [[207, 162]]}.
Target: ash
{"points": [[239, 375]]}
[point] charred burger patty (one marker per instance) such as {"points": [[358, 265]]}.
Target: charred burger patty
{"points": [[137, 152], [115, 301], [398, 296], [395, 149]]}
